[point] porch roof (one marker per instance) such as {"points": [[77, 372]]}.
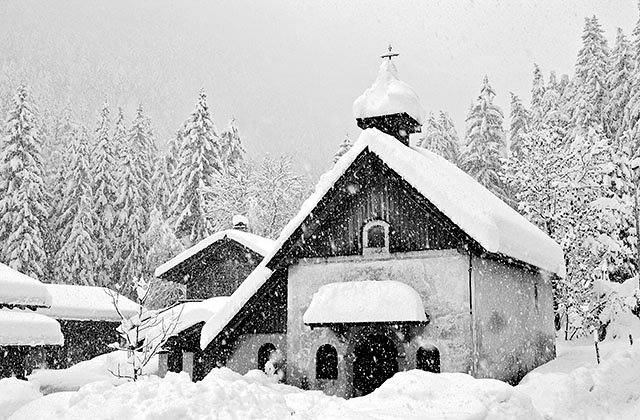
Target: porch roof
{"points": [[365, 302]]}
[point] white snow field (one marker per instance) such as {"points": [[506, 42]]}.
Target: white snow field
{"points": [[95, 370], [571, 387]]}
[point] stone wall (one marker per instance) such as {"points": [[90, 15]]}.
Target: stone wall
{"points": [[514, 319], [245, 355], [439, 276]]}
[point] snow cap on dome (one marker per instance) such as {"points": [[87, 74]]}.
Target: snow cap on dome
{"points": [[388, 95]]}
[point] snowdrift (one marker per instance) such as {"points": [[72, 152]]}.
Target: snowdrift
{"points": [[224, 394]]}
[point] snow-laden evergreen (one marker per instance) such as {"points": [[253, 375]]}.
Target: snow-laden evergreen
{"points": [[200, 161], [619, 85], [439, 138], [343, 148], [134, 201], [104, 173], [519, 124], [537, 92], [231, 149], [23, 206], [591, 77], [484, 141], [77, 258]]}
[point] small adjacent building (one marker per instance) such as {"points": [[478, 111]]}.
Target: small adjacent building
{"points": [[399, 260], [212, 270], [23, 332], [88, 319]]}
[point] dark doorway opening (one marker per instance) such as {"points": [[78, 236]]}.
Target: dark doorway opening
{"points": [[264, 354], [428, 359], [376, 360]]}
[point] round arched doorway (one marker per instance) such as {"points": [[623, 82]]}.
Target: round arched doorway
{"points": [[375, 361]]}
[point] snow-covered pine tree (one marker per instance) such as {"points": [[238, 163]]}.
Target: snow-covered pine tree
{"points": [[76, 260], [519, 125], [591, 71], [162, 245], [619, 83], [200, 161], [23, 207], [451, 136], [537, 93], [438, 139], [484, 141], [134, 200], [105, 173], [231, 149], [343, 148]]}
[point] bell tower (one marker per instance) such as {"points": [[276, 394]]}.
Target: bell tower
{"points": [[390, 105]]}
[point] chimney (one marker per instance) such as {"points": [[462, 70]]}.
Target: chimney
{"points": [[390, 105], [241, 222]]}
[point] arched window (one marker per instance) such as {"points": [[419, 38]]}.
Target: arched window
{"points": [[428, 359], [264, 354], [327, 362], [375, 237]]}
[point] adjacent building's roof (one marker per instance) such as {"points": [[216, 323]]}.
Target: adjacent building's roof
{"points": [[172, 321], [87, 303], [26, 328], [17, 289], [363, 302], [388, 95], [484, 217], [256, 243]]}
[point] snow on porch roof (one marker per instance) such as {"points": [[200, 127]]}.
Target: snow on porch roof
{"points": [[484, 217], [19, 289], [26, 328], [86, 303], [254, 242], [365, 301]]}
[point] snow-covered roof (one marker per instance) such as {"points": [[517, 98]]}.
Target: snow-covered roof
{"points": [[484, 217], [19, 289], [255, 243], [26, 328], [178, 318], [388, 95], [86, 303], [365, 301]]}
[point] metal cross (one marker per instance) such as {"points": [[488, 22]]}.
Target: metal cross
{"points": [[390, 54]]}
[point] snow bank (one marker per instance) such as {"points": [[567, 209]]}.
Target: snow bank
{"points": [[97, 369], [254, 242], [26, 328], [19, 289], [388, 95], [610, 390], [15, 393], [86, 303], [365, 301], [225, 394], [484, 217]]}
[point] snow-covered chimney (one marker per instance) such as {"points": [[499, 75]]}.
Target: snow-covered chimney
{"points": [[240, 222], [390, 105]]}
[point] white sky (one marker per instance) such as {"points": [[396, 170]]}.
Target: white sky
{"points": [[290, 70]]}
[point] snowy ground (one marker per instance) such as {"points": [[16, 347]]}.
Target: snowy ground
{"points": [[571, 387]]}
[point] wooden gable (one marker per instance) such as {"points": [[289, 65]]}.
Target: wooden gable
{"points": [[217, 270], [370, 190]]}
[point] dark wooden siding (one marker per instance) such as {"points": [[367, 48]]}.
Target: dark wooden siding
{"points": [[217, 270], [265, 313], [371, 191]]}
